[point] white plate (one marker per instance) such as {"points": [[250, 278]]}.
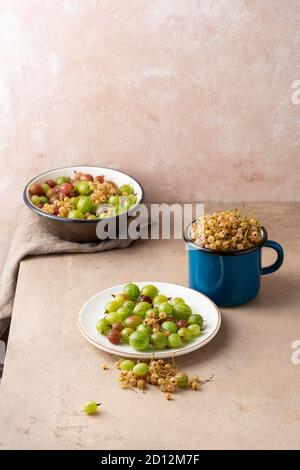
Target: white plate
{"points": [[94, 309]]}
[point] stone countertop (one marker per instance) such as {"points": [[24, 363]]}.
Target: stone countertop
{"points": [[51, 370]]}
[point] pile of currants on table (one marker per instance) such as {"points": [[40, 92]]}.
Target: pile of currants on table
{"points": [[82, 197], [160, 373], [139, 374], [147, 319]]}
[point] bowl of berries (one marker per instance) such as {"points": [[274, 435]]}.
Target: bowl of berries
{"points": [[73, 201]]}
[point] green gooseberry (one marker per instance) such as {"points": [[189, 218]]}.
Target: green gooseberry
{"points": [[73, 201], [184, 334], [93, 208], [83, 188], [126, 189], [125, 333], [130, 201], [132, 291], [159, 299], [141, 308], [113, 200], [129, 304], [113, 317], [91, 407], [174, 341], [43, 200], [194, 329], [195, 318], [113, 305], [120, 298], [146, 329], [159, 340], [181, 311], [127, 364], [150, 291], [84, 204], [140, 369], [103, 326], [182, 379], [177, 300], [165, 307], [75, 214], [35, 200], [45, 187], [62, 179], [169, 326], [124, 312], [138, 341]]}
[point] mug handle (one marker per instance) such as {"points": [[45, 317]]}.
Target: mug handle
{"points": [[280, 257]]}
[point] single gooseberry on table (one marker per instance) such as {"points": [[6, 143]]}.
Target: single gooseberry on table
{"points": [[91, 407]]}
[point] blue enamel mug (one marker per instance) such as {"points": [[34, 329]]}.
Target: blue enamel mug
{"points": [[229, 278]]}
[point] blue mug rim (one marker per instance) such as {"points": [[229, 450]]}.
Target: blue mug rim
{"points": [[188, 240]]}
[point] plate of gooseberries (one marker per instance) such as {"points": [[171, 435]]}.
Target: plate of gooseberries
{"points": [[149, 319]]}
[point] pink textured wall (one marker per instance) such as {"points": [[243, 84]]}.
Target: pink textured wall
{"points": [[192, 97]]}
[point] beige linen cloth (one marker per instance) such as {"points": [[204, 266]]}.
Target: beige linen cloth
{"points": [[30, 238]]}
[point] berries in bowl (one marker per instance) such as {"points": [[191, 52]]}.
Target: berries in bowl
{"points": [[72, 200]]}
